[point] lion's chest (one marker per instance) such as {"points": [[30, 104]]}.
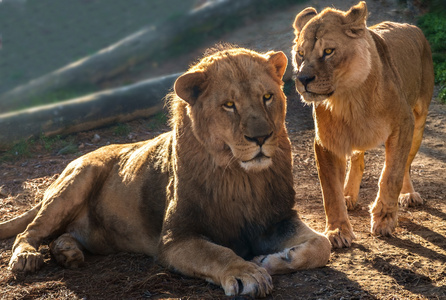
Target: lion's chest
{"points": [[342, 136], [238, 214]]}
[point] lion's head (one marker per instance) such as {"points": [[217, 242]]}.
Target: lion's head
{"points": [[330, 52], [235, 102]]}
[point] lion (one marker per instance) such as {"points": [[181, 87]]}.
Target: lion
{"points": [[212, 198], [367, 86]]}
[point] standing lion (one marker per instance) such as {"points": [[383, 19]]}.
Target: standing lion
{"points": [[367, 86], [213, 198]]}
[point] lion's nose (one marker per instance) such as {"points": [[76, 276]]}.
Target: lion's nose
{"points": [[306, 79], [259, 140]]}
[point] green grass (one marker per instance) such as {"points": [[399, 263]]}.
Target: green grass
{"points": [[58, 144], [157, 120], [22, 149], [433, 25], [49, 142], [121, 129], [28, 148]]}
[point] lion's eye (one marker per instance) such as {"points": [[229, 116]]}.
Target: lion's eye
{"points": [[229, 105], [328, 51], [300, 53], [267, 97]]}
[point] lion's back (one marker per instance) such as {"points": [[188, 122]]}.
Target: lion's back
{"points": [[411, 55]]}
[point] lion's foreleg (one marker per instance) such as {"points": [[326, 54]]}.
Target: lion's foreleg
{"points": [[25, 258], [353, 180], [331, 170], [384, 209], [305, 250], [217, 264]]}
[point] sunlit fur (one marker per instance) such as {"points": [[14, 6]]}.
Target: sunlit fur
{"points": [[375, 87], [204, 199]]}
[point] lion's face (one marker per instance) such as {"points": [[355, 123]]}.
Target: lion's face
{"points": [[237, 106], [330, 53]]}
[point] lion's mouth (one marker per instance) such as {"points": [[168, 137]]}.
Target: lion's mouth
{"points": [[311, 97], [326, 95], [257, 163], [258, 158], [313, 94]]}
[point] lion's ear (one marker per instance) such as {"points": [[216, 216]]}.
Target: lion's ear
{"points": [[302, 18], [279, 61], [189, 86], [355, 20]]}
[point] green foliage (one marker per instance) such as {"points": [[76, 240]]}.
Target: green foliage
{"points": [[56, 143], [440, 70], [28, 148], [48, 142], [434, 27], [121, 129], [20, 150], [63, 146], [157, 120], [442, 93]]}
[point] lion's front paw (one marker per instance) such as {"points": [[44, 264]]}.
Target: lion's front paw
{"points": [[410, 199], [246, 279], [350, 201], [26, 261], [383, 223], [340, 237]]}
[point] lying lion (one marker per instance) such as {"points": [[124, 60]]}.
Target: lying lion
{"points": [[367, 86], [204, 198]]}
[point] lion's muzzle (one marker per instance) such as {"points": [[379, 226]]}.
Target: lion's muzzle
{"points": [[305, 79], [259, 140]]}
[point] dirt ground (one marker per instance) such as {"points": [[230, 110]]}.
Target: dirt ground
{"points": [[409, 265]]}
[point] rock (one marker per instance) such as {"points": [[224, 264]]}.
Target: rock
{"points": [[96, 138]]}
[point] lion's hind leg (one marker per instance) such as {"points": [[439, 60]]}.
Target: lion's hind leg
{"points": [[408, 196], [353, 179], [67, 251], [62, 203], [306, 249]]}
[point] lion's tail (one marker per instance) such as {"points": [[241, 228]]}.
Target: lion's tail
{"points": [[17, 225]]}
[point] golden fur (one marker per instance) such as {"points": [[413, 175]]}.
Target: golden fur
{"points": [[213, 198], [367, 86]]}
